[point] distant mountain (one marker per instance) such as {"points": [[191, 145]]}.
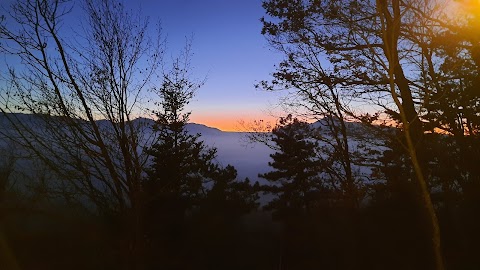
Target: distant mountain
{"points": [[202, 129], [323, 124], [249, 159], [234, 148], [191, 127]]}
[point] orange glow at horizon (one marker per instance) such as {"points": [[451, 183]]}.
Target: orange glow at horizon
{"points": [[230, 123]]}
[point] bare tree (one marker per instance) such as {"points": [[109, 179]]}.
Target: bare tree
{"points": [[390, 15], [317, 89], [84, 86]]}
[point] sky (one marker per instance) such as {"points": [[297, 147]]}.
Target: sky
{"points": [[229, 51]]}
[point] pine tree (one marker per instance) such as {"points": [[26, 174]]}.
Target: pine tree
{"points": [[184, 178], [229, 197], [183, 167], [180, 161], [296, 179]]}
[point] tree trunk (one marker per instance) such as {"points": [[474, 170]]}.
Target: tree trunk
{"points": [[391, 22]]}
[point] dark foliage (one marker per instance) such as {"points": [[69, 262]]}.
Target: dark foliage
{"points": [[295, 181]]}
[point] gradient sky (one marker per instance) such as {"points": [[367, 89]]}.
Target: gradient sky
{"points": [[228, 49]]}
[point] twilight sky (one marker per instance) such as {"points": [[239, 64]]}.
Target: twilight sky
{"points": [[228, 49]]}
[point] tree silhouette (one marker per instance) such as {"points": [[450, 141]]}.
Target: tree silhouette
{"points": [[384, 53], [184, 176], [180, 160], [84, 88], [296, 179]]}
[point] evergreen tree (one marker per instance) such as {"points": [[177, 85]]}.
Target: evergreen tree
{"points": [[229, 197], [184, 168], [180, 160], [185, 179], [295, 180]]}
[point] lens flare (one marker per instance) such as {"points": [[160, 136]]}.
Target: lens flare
{"points": [[469, 6]]}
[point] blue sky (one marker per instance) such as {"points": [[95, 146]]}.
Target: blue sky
{"points": [[228, 48]]}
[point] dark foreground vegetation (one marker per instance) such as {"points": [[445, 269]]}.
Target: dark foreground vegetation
{"points": [[387, 179], [388, 233], [308, 224]]}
